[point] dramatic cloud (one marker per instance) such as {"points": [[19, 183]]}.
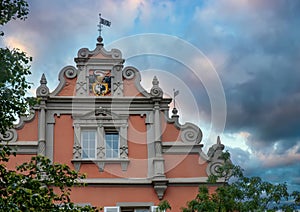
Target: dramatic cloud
{"points": [[253, 45]]}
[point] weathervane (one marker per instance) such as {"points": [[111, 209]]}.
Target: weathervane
{"points": [[102, 22], [175, 93]]}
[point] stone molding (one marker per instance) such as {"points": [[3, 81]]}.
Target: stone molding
{"points": [[25, 147], [101, 163]]}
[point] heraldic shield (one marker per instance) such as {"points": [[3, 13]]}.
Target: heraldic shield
{"points": [[99, 82]]}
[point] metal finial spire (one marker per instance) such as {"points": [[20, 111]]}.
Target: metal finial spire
{"points": [[175, 93], [102, 22]]}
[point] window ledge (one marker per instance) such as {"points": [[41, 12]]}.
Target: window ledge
{"points": [[101, 163]]}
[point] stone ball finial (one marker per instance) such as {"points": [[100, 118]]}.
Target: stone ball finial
{"points": [[100, 39], [174, 111]]}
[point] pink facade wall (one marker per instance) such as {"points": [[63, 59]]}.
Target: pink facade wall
{"points": [[29, 132]]}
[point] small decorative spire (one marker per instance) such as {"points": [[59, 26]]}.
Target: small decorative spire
{"points": [[155, 81], [43, 80], [156, 91], [42, 90], [219, 141], [215, 151]]}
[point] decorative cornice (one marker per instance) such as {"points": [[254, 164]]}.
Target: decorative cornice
{"points": [[181, 148], [145, 181], [117, 104], [24, 147], [99, 113]]}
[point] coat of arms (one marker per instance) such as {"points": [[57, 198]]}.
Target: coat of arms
{"points": [[100, 82]]}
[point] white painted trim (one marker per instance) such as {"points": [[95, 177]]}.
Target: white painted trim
{"points": [[110, 209]]}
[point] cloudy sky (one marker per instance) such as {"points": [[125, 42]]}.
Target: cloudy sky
{"points": [[236, 64]]}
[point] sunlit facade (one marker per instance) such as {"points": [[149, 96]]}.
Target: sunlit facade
{"points": [[102, 122]]}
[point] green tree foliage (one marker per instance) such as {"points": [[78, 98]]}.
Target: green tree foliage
{"points": [[13, 86], [164, 205], [38, 185], [240, 193], [14, 68], [12, 10]]}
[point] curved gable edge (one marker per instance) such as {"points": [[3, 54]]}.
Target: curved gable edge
{"points": [[85, 53], [132, 73], [70, 72], [11, 135], [190, 135]]}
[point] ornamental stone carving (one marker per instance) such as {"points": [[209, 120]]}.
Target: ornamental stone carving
{"points": [[214, 153], [76, 151], [156, 91], [42, 90], [9, 136], [190, 134], [124, 151], [216, 150], [129, 73]]}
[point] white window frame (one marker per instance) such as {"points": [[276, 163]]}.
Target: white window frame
{"points": [[115, 207], [101, 126]]}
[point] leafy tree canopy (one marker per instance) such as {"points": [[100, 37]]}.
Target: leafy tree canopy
{"points": [[241, 193], [12, 10], [37, 185], [14, 68]]}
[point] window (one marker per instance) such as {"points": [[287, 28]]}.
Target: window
{"points": [[112, 145], [111, 209], [100, 139], [130, 209], [141, 209], [88, 143]]}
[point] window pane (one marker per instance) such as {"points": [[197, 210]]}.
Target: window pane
{"points": [[112, 144], [88, 143], [84, 154], [85, 144], [85, 135], [115, 144]]}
